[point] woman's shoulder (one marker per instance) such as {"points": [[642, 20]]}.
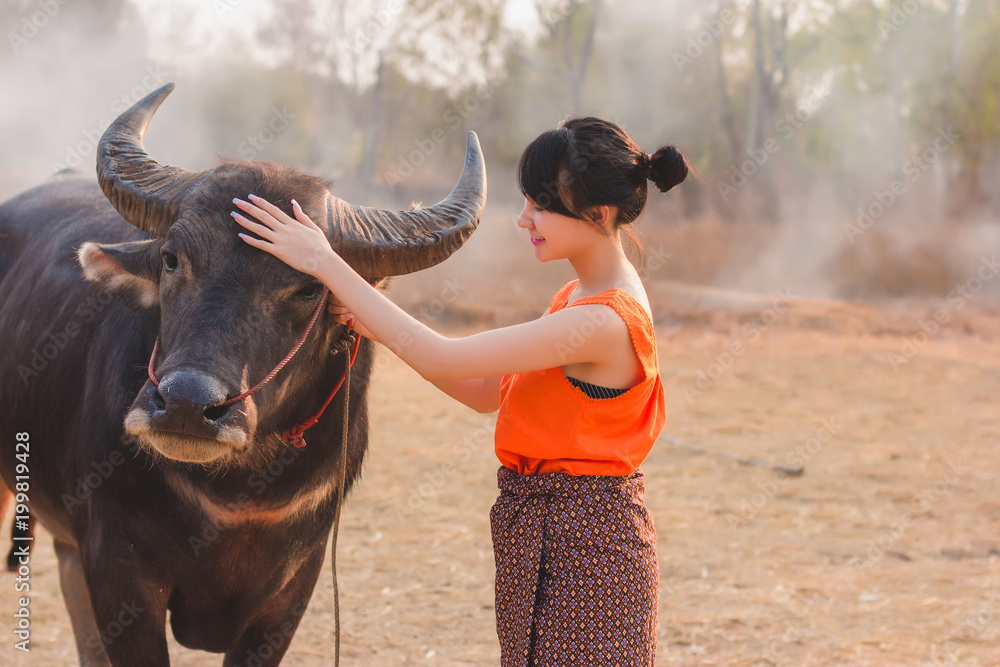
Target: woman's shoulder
{"points": [[628, 291], [561, 298], [636, 291]]}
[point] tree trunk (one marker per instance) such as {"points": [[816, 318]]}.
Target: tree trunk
{"points": [[728, 119], [580, 73], [370, 156], [762, 105]]}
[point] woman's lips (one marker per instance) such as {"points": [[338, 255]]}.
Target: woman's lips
{"points": [[536, 240]]}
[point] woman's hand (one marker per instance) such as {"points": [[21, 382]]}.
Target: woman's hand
{"points": [[297, 242], [343, 314]]}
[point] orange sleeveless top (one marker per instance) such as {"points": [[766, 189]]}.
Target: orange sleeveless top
{"points": [[546, 424]]}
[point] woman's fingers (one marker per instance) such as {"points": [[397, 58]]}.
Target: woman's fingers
{"points": [[344, 318], [266, 213], [334, 304], [260, 230], [339, 310], [257, 243], [301, 216], [272, 210], [272, 216]]}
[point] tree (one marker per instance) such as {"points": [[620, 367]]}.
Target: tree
{"points": [[365, 47], [572, 25]]}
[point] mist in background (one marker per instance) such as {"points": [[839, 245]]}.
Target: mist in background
{"points": [[846, 149]]}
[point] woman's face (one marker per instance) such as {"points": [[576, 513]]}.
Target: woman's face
{"points": [[554, 236]]}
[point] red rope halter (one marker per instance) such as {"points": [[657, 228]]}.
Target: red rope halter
{"points": [[293, 435]]}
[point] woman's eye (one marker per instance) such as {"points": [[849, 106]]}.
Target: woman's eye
{"points": [[169, 261], [309, 291]]}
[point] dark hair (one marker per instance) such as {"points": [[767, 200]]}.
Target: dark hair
{"points": [[589, 162]]}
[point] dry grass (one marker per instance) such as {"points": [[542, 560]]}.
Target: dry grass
{"points": [[875, 266], [756, 569]]}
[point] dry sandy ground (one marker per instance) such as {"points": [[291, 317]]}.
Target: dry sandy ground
{"points": [[885, 552]]}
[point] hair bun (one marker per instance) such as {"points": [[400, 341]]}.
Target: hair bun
{"points": [[667, 168]]}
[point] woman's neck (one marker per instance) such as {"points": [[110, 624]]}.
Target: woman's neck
{"points": [[601, 267]]}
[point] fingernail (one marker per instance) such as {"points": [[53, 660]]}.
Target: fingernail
{"points": [[235, 200], [234, 214], [252, 197], [241, 235], [295, 203]]}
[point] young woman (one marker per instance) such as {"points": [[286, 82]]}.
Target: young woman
{"points": [[578, 391]]}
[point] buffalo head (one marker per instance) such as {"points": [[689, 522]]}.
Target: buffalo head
{"points": [[229, 312]]}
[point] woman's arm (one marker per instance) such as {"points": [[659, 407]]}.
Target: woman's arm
{"points": [[572, 335], [480, 394]]}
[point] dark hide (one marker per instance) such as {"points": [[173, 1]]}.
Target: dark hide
{"points": [[231, 548]]}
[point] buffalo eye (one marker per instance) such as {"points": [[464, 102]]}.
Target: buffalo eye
{"points": [[169, 261], [310, 291]]}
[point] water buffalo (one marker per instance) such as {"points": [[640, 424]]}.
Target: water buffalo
{"points": [[163, 496]]}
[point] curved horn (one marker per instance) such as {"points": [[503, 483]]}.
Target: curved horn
{"points": [[144, 192], [380, 243]]}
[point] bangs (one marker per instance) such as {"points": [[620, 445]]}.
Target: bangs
{"points": [[539, 168]]}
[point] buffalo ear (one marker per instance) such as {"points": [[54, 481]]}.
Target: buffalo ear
{"points": [[130, 271]]}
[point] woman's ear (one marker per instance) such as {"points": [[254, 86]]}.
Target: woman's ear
{"points": [[605, 217]]}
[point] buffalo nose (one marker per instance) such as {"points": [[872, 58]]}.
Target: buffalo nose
{"points": [[189, 402]]}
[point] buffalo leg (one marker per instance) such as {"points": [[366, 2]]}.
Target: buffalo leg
{"points": [[129, 610], [266, 639], [81, 613], [16, 531], [5, 497]]}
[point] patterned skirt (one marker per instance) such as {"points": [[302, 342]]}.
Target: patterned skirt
{"points": [[577, 575]]}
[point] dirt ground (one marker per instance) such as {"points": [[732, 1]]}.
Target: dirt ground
{"points": [[886, 551]]}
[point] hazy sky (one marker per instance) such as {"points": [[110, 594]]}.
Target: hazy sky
{"points": [[185, 32]]}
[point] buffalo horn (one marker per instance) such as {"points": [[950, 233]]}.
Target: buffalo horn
{"points": [[376, 242], [145, 193]]}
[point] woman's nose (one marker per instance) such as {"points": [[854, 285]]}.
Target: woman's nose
{"points": [[522, 219]]}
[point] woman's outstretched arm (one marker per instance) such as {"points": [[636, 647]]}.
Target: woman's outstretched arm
{"points": [[582, 334], [480, 394]]}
